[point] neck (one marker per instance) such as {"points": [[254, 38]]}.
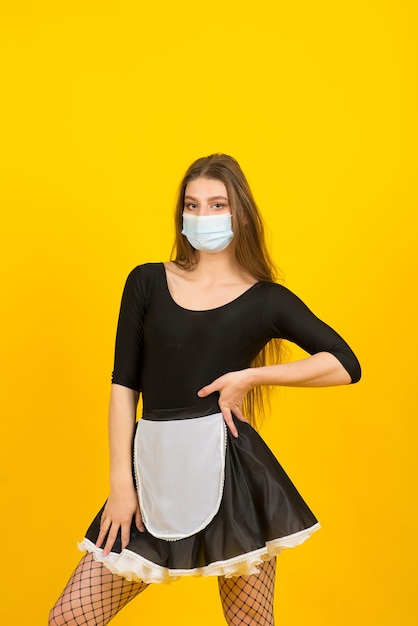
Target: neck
{"points": [[219, 264]]}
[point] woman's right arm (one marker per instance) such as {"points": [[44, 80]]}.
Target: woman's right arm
{"points": [[122, 504]]}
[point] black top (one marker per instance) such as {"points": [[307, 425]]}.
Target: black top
{"points": [[169, 353]]}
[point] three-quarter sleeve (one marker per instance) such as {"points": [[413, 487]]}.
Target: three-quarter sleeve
{"points": [[287, 317], [130, 333]]}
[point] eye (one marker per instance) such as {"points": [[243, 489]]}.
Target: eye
{"points": [[219, 205], [191, 206]]}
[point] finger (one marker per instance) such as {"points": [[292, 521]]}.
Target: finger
{"points": [[104, 527], [113, 533], [227, 415], [125, 535], [206, 391], [138, 521]]}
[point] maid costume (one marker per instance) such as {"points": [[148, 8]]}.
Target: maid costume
{"points": [[212, 504]]}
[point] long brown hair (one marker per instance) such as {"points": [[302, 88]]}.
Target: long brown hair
{"points": [[250, 250]]}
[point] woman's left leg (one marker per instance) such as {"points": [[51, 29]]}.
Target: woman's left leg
{"points": [[249, 599]]}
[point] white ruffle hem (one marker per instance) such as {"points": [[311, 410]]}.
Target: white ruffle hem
{"points": [[132, 566]]}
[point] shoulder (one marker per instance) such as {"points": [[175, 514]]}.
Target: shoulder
{"points": [[145, 272], [276, 290], [172, 267], [279, 298], [142, 278]]}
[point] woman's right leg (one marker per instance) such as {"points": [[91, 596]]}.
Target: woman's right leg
{"points": [[93, 596]]}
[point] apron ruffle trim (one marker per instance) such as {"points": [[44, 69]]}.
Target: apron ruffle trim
{"points": [[132, 566]]}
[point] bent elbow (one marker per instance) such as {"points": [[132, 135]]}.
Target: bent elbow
{"points": [[355, 374]]}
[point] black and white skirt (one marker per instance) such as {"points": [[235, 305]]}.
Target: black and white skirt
{"points": [[212, 504]]}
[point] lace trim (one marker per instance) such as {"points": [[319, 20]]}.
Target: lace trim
{"points": [[133, 566]]}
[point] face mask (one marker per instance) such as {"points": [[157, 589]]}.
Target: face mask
{"points": [[209, 233]]}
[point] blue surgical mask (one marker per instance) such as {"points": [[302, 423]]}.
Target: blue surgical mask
{"points": [[208, 233]]}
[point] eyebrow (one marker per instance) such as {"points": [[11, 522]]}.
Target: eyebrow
{"points": [[210, 199]]}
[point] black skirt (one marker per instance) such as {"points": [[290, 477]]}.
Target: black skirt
{"points": [[260, 514]]}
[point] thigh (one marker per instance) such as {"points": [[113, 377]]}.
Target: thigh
{"points": [[93, 595], [249, 599]]}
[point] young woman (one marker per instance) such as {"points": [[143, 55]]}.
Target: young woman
{"points": [[194, 490]]}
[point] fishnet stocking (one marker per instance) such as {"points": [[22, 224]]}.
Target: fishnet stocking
{"points": [[93, 596], [249, 599]]}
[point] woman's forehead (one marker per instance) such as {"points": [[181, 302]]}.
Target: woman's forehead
{"points": [[207, 187]]}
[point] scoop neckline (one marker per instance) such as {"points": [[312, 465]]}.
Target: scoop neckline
{"points": [[217, 308]]}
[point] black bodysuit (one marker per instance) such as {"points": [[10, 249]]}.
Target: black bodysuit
{"points": [[169, 353]]}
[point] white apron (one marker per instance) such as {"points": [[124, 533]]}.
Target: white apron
{"points": [[180, 469]]}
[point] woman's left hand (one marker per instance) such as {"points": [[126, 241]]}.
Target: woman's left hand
{"points": [[232, 388]]}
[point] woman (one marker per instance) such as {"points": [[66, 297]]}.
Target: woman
{"points": [[206, 496]]}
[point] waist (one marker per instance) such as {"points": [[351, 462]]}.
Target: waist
{"points": [[182, 413]]}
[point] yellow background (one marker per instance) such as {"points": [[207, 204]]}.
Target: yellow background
{"points": [[104, 105]]}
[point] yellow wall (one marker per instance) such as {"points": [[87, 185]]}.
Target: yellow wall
{"points": [[104, 106]]}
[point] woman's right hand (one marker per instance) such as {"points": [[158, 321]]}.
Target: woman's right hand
{"points": [[121, 507]]}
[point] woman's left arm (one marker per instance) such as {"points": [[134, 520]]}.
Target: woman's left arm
{"points": [[332, 362], [319, 370]]}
